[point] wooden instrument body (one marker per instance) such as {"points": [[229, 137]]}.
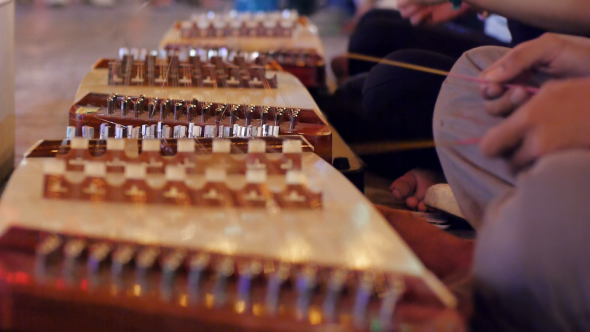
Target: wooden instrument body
{"points": [[347, 234], [300, 53]]}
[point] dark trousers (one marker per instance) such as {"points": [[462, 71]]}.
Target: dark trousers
{"points": [[392, 104], [382, 31], [382, 103]]}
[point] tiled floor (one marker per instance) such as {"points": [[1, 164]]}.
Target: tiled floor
{"points": [[55, 47]]}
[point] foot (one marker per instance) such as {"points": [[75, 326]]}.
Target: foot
{"points": [[411, 187]]}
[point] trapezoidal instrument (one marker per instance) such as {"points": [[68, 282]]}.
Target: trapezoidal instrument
{"points": [[285, 37], [212, 234]]}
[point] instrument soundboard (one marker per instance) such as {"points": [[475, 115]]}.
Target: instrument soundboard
{"points": [[116, 102], [133, 234], [290, 40]]}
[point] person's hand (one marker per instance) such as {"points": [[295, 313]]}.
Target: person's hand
{"points": [[430, 14], [553, 55], [557, 118], [402, 3]]}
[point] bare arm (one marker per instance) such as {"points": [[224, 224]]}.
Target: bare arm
{"points": [[567, 16]]}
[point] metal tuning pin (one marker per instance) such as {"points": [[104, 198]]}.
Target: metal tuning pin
{"points": [[278, 116], [389, 302], [233, 117], [119, 131], [140, 105], [178, 108], [166, 132], [247, 271], [145, 131], [151, 109], [88, 132], [73, 249], [224, 270], [363, 296], [334, 288], [104, 131], [44, 251], [125, 107], [180, 132], [153, 131], [264, 115], [205, 113], [99, 252], [133, 132], [121, 257], [197, 264], [294, 119], [170, 264], [276, 277], [111, 104], [144, 261], [70, 132], [160, 126], [163, 108], [191, 127], [219, 111], [210, 131], [190, 111], [249, 115], [305, 284]]}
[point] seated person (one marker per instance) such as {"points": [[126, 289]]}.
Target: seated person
{"points": [[378, 99], [528, 266], [438, 40]]}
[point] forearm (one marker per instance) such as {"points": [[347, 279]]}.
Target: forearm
{"points": [[568, 16], [444, 254]]}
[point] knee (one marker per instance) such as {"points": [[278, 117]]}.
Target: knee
{"points": [[536, 235], [460, 99]]}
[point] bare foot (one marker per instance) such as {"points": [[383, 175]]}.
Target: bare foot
{"points": [[411, 187]]}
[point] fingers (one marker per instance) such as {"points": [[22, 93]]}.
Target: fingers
{"points": [[409, 10], [526, 56], [526, 153], [422, 207], [402, 3], [403, 186], [412, 202], [507, 102], [491, 90], [421, 17], [507, 136]]}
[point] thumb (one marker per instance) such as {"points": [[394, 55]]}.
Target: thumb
{"points": [[530, 55]]}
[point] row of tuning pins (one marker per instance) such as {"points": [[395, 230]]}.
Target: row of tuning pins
{"points": [[196, 111], [185, 53], [305, 280]]}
